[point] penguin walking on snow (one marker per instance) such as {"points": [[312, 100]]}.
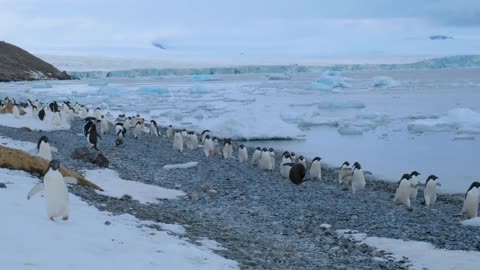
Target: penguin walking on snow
{"points": [[316, 169], [242, 153], [57, 118], [227, 149], [15, 110], [92, 137], [41, 114], [402, 195], [55, 190], [470, 204], [358, 178], [430, 191], [43, 148]]}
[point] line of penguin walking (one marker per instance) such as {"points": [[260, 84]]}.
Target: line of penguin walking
{"points": [[290, 166]]}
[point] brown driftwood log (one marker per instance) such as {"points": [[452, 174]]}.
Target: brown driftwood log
{"points": [[18, 160]]}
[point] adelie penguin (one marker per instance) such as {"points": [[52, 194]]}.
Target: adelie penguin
{"points": [[178, 141], [285, 158], [138, 130], [208, 146], [316, 169], [15, 110], [242, 153], [402, 195], [154, 128], [57, 118], [169, 131], [55, 190], [345, 173], [285, 169], [43, 148], [103, 125], [297, 173], [303, 161], [414, 185], [265, 162], [358, 178], [120, 130], [256, 156], [92, 137], [430, 191], [470, 204], [193, 140], [204, 134], [293, 157], [41, 114], [227, 149], [272, 158]]}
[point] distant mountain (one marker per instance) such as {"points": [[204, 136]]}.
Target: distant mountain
{"points": [[17, 64]]}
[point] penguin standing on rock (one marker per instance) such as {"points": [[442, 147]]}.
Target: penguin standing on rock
{"points": [[285, 158], [402, 195], [178, 141], [15, 110], [414, 185], [216, 146], [92, 137], [154, 128], [470, 205], [303, 161], [256, 156], [293, 157], [272, 158], [169, 131], [103, 125], [120, 130], [43, 148], [57, 118], [204, 134], [316, 169], [285, 169], [227, 149], [358, 178], [265, 160], [138, 129], [208, 146], [56, 192], [242, 153], [430, 191], [345, 174]]}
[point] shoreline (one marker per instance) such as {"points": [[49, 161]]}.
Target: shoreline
{"points": [[262, 219]]}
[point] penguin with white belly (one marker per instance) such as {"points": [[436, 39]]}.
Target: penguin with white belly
{"points": [[138, 129], [285, 169], [430, 191], [316, 169], [285, 158], [345, 173], [216, 146], [302, 161], [208, 146], [293, 157], [154, 128], [265, 162], [204, 134], [242, 153], [227, 148], [414, 185], [470, 204], [256, 156], [169, 131], [97, 113], [193, 138], [120, 130], [358, 178], [15, 110], [92, 137], [57, 118], [55, 190], [402, 195], [43, 148], [272, 158], [103, 125], [178, 141]]}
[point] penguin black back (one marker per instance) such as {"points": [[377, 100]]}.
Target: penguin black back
{"points": [[297, 173], [42, 139], [93, 137], [41, 114]]}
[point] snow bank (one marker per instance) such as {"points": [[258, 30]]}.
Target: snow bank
{"points": [[115, 186], [330, 80], [472, 222], [181, 166], [20, 145], [384, 82], [461, 120], [8, 120], [422, 255], [85, 241]]}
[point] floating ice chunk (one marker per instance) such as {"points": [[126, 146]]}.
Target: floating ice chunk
{"points": [[108, 90], [462, 120], [199, 90], [203, 78], [350, 130], [181, 165], [384, 82], [41, 85], [98, 83], [335, 104], [152, 90], [279, 77], [472, 222], [329, 81]]}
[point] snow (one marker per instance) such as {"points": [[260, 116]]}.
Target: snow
{"points": [[329, 81], [115, 186], [8, 120], [461, 120], [384, 82], [181, 166], [85, 241], [28, 147], [472, 222], [422, 255]]}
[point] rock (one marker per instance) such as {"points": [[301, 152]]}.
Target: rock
{"points": [[126, 197], [107, 223], [2, 185], [118, 141], [82, 153], [26, 129], [212, 192], [101, 161]]}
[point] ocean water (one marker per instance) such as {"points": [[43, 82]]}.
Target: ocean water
{"points": [[392, 122]]}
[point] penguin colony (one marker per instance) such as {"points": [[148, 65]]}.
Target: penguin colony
{"points": [[290, 167]]}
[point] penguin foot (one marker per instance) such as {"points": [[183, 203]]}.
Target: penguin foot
{"points": [[65, 218]]}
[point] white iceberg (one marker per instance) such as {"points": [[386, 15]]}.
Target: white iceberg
{"points": [[384, 82], [330, 80], [461, 120]]}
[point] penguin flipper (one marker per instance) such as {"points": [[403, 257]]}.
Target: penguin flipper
{"points": [[38, 187]]}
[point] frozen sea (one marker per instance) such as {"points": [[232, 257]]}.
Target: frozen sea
{"points": [[392, 122]]}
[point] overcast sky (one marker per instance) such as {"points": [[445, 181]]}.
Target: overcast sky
{"points": [[258, 30]]}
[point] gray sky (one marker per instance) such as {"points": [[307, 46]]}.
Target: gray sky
{"points": [[261, 30]]}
